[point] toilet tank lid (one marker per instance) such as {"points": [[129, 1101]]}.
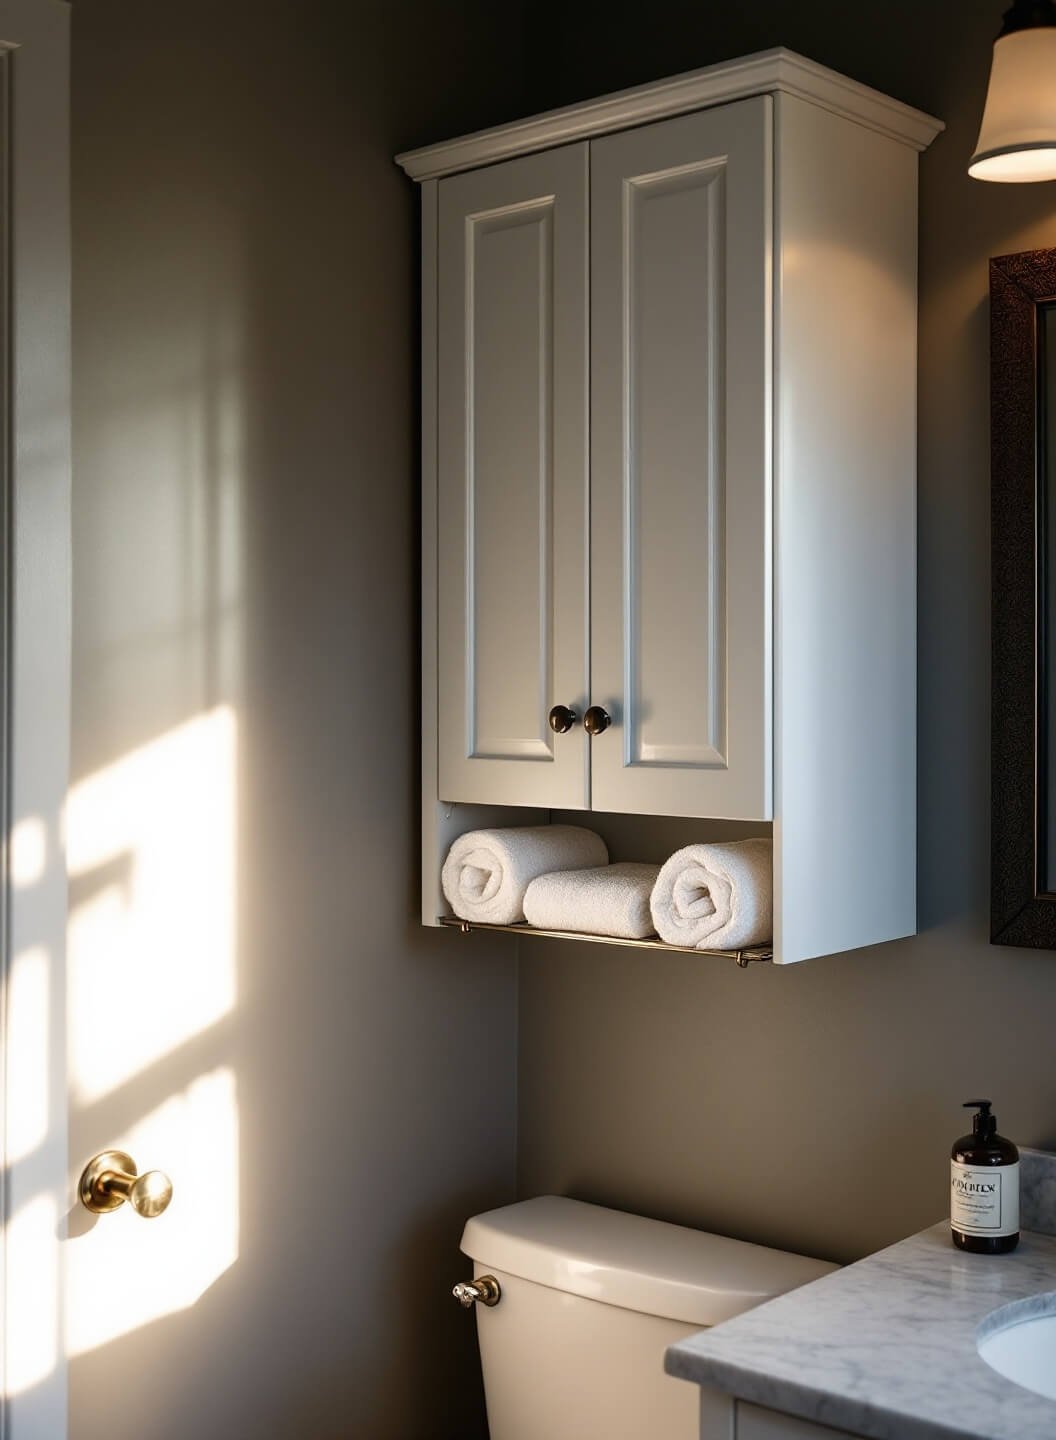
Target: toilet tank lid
{"points": [[638, 1264]]}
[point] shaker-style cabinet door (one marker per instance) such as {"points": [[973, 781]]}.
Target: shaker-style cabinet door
{"points": [[681, 303], [513, 482]]}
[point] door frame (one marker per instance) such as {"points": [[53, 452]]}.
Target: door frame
{"points": [[35, 495]]}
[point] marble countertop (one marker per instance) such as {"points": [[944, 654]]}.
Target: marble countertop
{"points": [[886, 1348]]}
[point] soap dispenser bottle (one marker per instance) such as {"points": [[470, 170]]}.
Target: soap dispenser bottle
{"points": [[984, 1187]]}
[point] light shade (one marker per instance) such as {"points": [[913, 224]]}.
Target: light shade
{"points": [[1017, 141]]}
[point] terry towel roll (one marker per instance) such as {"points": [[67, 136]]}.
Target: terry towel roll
{"points": [[487, 872], [609, 900], [716, 897]]}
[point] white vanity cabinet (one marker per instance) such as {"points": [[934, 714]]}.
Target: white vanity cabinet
{"points": [[753, 1422], [724, 1417], [669, 451]]}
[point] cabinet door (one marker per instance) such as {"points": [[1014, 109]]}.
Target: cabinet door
{"points": [[513, 477], [681, 464], [756, 1423]]}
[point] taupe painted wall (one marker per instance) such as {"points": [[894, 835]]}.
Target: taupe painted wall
{"points": [[245, 363], [245, 531], [813, 1108]]}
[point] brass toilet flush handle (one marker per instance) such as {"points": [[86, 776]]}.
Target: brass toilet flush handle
{"points": [[484, 1290], [110, 1178]]}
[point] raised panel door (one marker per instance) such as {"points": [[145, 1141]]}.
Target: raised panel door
{"points": [[513, 481], [681, 464]]}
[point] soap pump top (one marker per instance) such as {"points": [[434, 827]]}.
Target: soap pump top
{"points": [[984, 1146], [984, 1124]]}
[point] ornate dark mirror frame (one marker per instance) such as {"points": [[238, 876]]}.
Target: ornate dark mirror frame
{"points": [[1022, 910]]}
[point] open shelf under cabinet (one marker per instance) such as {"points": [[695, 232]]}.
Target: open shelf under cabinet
{"points": [[744, 958]]}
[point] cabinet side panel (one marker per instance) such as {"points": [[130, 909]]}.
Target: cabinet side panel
{"points": [[845, 535]]}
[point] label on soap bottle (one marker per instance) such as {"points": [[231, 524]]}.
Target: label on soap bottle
{"points": [[984, 1200]]}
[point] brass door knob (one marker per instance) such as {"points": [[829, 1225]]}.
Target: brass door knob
{"points": [[111, 1178], [562, 719], [596, 720]]}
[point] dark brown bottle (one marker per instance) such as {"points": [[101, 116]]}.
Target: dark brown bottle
{"points": [[984, 1187]]}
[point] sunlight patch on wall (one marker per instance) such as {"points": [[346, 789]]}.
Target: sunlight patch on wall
{"points": [[151, 946], [32, 1345], [29, 852], [127, 1271]]}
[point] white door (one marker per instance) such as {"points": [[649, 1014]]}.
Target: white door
{"points": [[34, 718], [513, 460], [681, 465], [107, 999]]}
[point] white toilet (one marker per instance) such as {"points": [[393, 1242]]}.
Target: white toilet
{"points": [[572, 1336]]}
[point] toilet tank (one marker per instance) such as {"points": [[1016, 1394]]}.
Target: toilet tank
{"points": [[591, 1298]]}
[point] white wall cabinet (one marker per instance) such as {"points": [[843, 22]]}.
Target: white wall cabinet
{"points": [[670, 481], [669, 436]]}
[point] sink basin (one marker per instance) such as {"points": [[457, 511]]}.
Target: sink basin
{"points": [[1019, 1342]]}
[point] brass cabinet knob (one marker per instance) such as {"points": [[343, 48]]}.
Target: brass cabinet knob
{"points": [[562, 719], [484, 1290], [596, 720], [111, 1178]]}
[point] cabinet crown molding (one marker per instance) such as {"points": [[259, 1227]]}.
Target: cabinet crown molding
{"points": [[767, 72]]}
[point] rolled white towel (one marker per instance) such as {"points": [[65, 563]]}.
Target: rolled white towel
{"points": [[716, 897], [607, 900], [487, 872]]}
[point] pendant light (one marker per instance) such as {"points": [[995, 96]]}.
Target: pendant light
{"points": [[1017, 140]]}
